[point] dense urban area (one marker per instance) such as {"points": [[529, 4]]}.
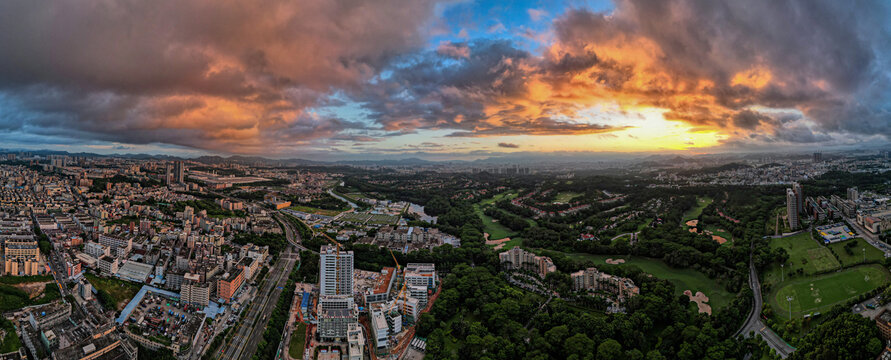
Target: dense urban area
{"points": [[710, 257]]}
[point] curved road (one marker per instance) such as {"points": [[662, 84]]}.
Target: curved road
{"points": [[754, 325]]}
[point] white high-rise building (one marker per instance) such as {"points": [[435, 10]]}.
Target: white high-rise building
{"points": [[799, 197], [792, 208], [335, 271]]}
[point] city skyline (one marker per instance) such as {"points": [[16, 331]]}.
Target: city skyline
{"points": [[443, 80]]}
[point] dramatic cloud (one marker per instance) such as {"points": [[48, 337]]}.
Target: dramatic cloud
{"points": [[221, 75], [508, 145], [231, 76], [714, 63]]}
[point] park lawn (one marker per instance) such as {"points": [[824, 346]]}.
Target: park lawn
{"points": [[121, 291], [565, 196], [701, 203], [683, 279], [298, 342], [804, 253], [819, 293], [317, 211], [872, 254]]}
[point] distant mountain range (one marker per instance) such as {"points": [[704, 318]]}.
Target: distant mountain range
{"points": [[517, 158]]}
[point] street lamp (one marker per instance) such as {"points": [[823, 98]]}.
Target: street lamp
{"points": [[782, 272], [789, 300], [864, 254]]}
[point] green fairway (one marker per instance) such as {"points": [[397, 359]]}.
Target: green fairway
{"points": [[514, 242], [565, 196], [683, 279], [701, 203], [862, 250], [804, 253], [495, 230], [820, 293]]}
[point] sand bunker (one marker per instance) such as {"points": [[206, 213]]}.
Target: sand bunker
{"points": [[719, 239], [700, 299], [692, 223], [615, 261], [498, 243]]}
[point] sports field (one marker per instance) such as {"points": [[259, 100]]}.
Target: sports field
{"points": [[683, 279], [857, 256], [701, 203], [804, 253], [820, 293]]}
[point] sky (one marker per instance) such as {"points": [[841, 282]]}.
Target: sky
{"points": [[323, 79]]}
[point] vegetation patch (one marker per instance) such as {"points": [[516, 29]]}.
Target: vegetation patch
{"points": [[856, 251], [693, 213], [683, 279], [298, 342], [113, 293]]}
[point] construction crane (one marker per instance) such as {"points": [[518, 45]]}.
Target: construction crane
{"points": [[401, 295]]}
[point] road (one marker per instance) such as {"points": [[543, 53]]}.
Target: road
{"points": [[754, 325], [290, 232], [250, 332]]}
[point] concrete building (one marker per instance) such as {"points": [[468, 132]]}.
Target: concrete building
{"points": [[179, 172], [109, 265], [518, 258], [195, 292], [379, 328], [592, 279], [853, 194], [96, 250], [336, 271], [883, 322], [421, 274], [792, 209], [85, 290], [356, 342], [335, 323], [229, 284], [799, 197], [45, 317], [21, 258], [119, 246]]}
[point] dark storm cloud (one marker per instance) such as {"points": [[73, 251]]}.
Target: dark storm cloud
{"points": [[508, 145]]}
